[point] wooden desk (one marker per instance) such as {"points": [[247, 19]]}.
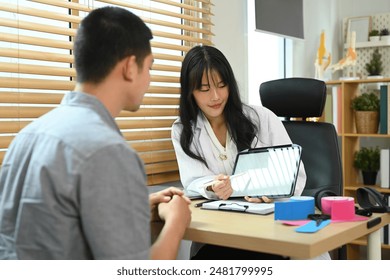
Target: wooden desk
{"points": [[263, 234]]}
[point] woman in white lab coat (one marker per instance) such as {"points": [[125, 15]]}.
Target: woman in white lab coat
{"points": [[213, 126]]}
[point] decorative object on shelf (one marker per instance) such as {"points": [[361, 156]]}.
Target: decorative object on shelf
{"points": [[350, 57], [366, 107], [373, 35], [375, 66], [367, 159], [323, 58], [360, 25], [385, 35]]}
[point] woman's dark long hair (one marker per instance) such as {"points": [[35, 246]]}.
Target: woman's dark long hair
{"points": [[207, 59]]}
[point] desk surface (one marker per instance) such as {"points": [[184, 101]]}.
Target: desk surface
{"points": [[261, 233]]}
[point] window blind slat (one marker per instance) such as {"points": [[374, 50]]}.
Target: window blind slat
{"points": [[166, 56], [36, 55], [38, 13], [161, 167], [64, 4], [155, 157], [164, 90], [5, 141], [27, 83], [30, 97], [12, 126], [23, 112], [151, 134], [35, 41], [180, 37], [37, 69], [150, 112], [156, 179], [184, 6], [146, 123], [28, 25], [149, 146]]}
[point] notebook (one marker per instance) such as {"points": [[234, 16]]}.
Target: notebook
{"points": [[266, 171]]}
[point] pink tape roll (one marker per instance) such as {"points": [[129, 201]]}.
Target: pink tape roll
{"points": [[338, 207]]}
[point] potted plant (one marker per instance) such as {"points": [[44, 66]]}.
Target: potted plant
{"points": [[374, 35], [368, 161], [375, 67], [366, 107], [385, 35]]}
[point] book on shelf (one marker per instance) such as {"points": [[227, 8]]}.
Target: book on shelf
{"points": [[385, 168], [385, 231], [336, 107], [384, 114], [328, 109]]}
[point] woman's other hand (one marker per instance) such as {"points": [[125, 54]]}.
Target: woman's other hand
{"points": [[263, 199], [222, 187]]}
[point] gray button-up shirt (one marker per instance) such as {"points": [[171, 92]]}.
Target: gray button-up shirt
{"points": [[71, 188]]}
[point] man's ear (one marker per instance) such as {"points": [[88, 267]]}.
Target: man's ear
{"points": [[130, 68]]}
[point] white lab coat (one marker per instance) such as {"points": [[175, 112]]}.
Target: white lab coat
{"points": [[193, 173]]}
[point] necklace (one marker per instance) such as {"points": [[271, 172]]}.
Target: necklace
{"points": [[223, 157]]}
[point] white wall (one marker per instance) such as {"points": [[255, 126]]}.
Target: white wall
{"points": [[319, 16], [230, 29]]}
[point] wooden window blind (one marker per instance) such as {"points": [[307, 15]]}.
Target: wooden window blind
{"points": [[36, 68]]}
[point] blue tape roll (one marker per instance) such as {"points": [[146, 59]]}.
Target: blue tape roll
{"points": [[296, 208]]}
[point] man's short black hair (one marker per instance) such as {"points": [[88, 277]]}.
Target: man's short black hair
{"points": [[106, 36]]}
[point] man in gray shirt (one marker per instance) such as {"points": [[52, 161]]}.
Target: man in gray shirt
{"points": [[70, 186]]}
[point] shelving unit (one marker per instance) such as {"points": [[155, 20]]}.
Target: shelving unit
{"points": [[350, 142], [369, 44]]}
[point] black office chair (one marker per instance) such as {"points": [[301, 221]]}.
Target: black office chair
{"points": [[305, 98], [302, 98]]}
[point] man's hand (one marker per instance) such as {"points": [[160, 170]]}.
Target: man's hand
{"points": [[176, 211], [164, 196]]}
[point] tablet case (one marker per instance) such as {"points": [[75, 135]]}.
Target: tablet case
{"points": [[266, 171]]}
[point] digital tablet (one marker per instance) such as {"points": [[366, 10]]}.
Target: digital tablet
{"points": [[266, 171]]}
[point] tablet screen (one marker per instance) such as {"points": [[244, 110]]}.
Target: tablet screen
{"points": [[269, 171]]}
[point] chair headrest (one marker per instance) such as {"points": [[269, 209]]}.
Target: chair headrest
{"points": [[294, 97]]}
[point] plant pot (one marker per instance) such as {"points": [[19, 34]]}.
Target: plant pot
{"points": [[385, 38], [369, 177], [367, 122], [374, 86], [374, 38]]}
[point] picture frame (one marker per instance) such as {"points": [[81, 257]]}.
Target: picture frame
{"points": [[361, 25]]}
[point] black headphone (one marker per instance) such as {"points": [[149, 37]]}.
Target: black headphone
{"points": [[321, 194], [372, 200]]}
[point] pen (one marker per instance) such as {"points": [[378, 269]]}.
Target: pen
{"points": [[201, 203], [212, 182]]}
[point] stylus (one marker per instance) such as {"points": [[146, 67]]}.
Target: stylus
{"points": [[212, 182]]}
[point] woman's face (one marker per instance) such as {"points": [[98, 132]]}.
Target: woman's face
{"points": [[212, 95]]}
